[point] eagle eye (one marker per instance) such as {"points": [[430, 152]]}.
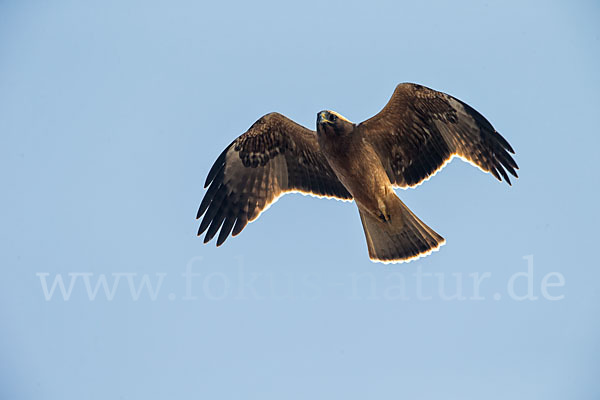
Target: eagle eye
{"points": [[333, 117]]}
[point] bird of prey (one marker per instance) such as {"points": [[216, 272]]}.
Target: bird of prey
{"points": [[415, 135]]}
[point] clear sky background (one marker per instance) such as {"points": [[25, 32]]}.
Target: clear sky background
{"points": [[111, 114]]}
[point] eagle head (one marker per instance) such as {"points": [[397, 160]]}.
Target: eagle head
{"points": [[332, 123]]}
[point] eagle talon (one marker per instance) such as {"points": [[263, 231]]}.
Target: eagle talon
{"points": [[384, 218]]}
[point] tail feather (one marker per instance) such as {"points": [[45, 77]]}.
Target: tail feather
{"points": [[402, 238]]}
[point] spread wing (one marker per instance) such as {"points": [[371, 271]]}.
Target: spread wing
{"points": [[420, 130], [275, 156]]}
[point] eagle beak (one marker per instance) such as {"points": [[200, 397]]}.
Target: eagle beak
{"points": [[322, 118]]}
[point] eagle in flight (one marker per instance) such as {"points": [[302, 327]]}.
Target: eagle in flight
{"points": [[416, 134]]}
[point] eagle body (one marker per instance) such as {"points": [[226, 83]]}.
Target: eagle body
{"points": [[354, 162], [418, 132]]}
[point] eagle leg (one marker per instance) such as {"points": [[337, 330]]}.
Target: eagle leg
{"points": [[381, 211]]}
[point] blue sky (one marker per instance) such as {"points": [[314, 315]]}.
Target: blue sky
{"points": [[111, 114]]}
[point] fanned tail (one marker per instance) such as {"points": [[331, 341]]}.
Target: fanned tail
{"points": [[402, 238]]}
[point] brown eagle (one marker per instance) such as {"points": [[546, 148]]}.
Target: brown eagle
{"points": [[416, 134]]}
